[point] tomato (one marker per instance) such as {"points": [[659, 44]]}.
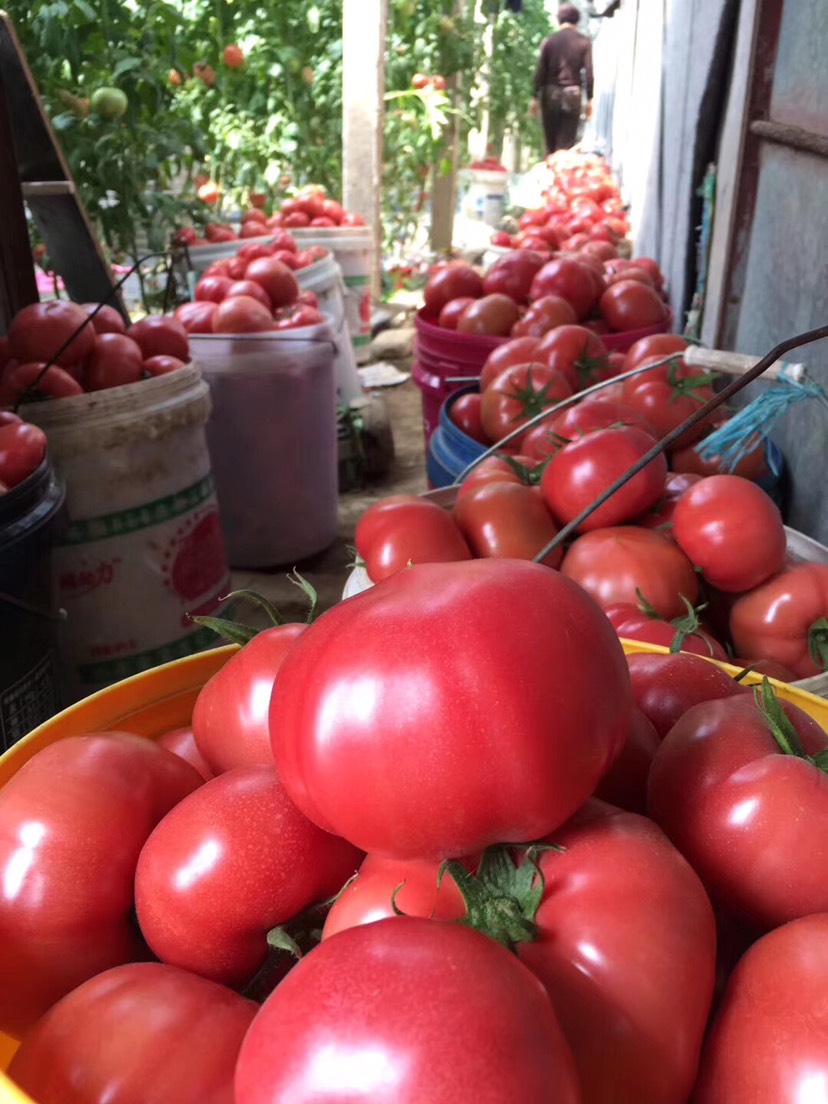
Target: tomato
{"points": [[517, 394], [501, 238], [214, 232], [753, 465], [632, 305], [296, 219], [106, 320], [785, 619], [767, 667], [602, 249], [408, 1010], [491, 315], [594, 413], [520, 350], [453, 281], [406, 529], [625, 783], [281, 239], [414, 886], [469, 641], [577, 353], [182, 743], [666, 686], [749, 812], [465, 413], [213, 288], [230, 716], [170, 1036], [186, 235], [731, 530], [660, 345], [614, 564], [196, 317], [115, 360], [572, 280], [67, 856], [24, 382], [543, 315], [513, 274], [39, 332], [494, 469], [626, 947], [22, 451], [667, 395], [583, 469], [162, 365], [300, 316], [276, 279], [507, 519], [161, 335], [769, 1041], [681, 634], [233, 860], [452, 310], [350, 218], [630, 272], [651, 266], [242, 314]]}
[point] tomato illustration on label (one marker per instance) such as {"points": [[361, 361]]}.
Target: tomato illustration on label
{"points": [[365, 309], [196, 563]]}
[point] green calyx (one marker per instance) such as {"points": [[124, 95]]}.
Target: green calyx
{"points": [[687, 625], [237, 633], [818, 642], [503, 898], [688, 386], [532, 399], [589, 368], [782, 728]]}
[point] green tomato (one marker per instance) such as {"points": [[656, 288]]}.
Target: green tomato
{"points": [[109, 103]]}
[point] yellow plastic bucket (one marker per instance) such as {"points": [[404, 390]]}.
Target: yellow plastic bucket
{"points": [[156, 701]]}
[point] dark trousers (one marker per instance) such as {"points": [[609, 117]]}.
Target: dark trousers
{"points": [[560, 114]]}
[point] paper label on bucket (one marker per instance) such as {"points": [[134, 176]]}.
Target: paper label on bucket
{"points": [[29, 702], [358, 308], [165, 556]]}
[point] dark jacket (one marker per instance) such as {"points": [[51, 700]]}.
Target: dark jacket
{"points": [[565, 60]]}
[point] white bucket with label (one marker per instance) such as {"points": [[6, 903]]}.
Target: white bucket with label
{"points": [[485, 197], [273, 441], [324, 279], [143, 545], [353, 249]]}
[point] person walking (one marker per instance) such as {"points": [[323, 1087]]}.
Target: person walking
{"points": [[562, 77]]}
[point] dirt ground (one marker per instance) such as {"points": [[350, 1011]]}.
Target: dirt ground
{"points": [[328, 570]]}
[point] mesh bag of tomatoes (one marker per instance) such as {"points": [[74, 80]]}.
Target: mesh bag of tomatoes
{"points": [[256, 291], [445, 843], [534, 288], [686, 554]]}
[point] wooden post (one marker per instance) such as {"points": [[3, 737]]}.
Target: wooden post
{"points": [[444, 184], [364, 24]]}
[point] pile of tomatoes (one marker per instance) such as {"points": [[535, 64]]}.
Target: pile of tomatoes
{"points": [[528, 291], [89, 355], [255, 291], [559, 873], [22, 450]]}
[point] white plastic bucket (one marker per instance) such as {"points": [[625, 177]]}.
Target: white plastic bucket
{"points": [[202, 256], [353, 249], [273, 442], [143, 546], [324, 279], [485, 197]]}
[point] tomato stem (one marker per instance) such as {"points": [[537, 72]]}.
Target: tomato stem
{"points": [[818, 642], [779, 722]]}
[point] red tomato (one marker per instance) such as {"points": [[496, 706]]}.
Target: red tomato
{"points": [[405, 529], [68, 862], [242, 314], [22, 451], [769, 1041], [213, 289], [350, 218], [543, 315], [753, 465], [431, 1009], [162, 365], [625, 783], [298, 317], [469, 640], [38, 332], [630, 272], [259, 863], [632, 305], [253, 228], [723, 788], [185, 1030], [182, 743], [106, 320], [613, 960], [276, 278], [213, 231], [230, 716], [161, 335], [507, 519], [493, 469], [465, 413], [651, 266], [115, 360], [594, 413], [451, 312], [520, 350], [614, 564], [786, 619], [731, 530], [23, 382], [491, 315], [296, 219], [576, 352], [666, 686], [513, 274], [660, 345], [682, 634], [602, 249], [517, 394], [572, 280], [667, 395], [453, 281], [249, 288], [281, 239], [196, 317], [583, 469]]}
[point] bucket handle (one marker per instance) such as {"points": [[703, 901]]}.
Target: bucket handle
{"points": [[36, 611]]}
